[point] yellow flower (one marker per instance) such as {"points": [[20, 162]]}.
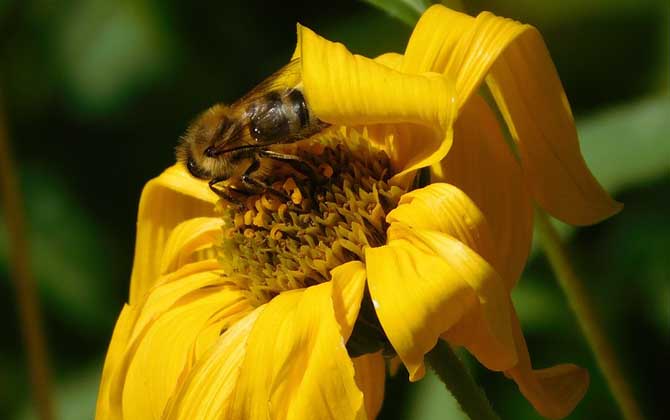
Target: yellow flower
{"points": [[219, 327]]}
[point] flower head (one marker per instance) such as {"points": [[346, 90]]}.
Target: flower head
{"points": [[286, 309]]}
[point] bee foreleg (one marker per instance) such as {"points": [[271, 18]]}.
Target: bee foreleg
{"points": [[257, 185], [222, 192], [295, 162]]}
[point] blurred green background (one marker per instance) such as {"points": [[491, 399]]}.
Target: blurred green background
{"points": [[97, 92]]}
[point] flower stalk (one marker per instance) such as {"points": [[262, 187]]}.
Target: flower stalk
{"points": [[451, 371], [589, 322], [19, 263]]}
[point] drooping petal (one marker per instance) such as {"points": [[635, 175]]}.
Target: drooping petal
{"points": [[422, 283], [490, 336], [532, 101], [555, 391], [348, 281], [351, 90], [482, 165], [529, 94], [188, 237], [296, 365], [371, 377], [205, 392], [166, 201]]}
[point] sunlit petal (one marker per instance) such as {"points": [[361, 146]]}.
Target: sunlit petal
{"points": [[482, 165], [422, 283], [166, 201], [348, 287], [528, 91], [296, 365], [156, 341], [445, 208], [205, 392], [392, 60], [347, 89], [162, 353]]}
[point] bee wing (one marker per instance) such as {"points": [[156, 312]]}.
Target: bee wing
{"points": [[286, 77]]}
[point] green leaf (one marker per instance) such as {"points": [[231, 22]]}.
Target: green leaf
{"points": [[407, 11], [628, 145]]}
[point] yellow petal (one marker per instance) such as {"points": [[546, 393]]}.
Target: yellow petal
{"points": [[188, 237], [296, 365], [205, 392], [348, 281], [166, 201], [392, 60], [158, 340], [531, 98], [422, 283], [555, 391], [370, 378], [446, 209], [351, 90], [529, 94], [482, 165], [489, 329], [172, 287], [162, 354], [108, 406]]}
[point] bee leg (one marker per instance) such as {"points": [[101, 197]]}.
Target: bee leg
{"points": [[222, 192], [295, 162], [257, 185]]}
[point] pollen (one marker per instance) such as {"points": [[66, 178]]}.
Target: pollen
{"points": [[274, 244]]}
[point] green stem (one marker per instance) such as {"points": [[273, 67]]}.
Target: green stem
{"points": [[455, 376], [583, 308], [19, 263]]}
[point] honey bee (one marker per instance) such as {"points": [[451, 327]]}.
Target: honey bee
{"points": [[237, 141]]}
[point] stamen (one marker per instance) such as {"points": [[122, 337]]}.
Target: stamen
{"points": [[271, 246]]}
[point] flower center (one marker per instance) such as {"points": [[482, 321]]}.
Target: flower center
{"points": [[271, 244]]}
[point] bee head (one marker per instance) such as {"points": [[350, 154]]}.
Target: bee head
{"points": [[195, 148]]}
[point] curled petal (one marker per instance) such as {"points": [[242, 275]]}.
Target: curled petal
{"points": [[447, 209], [482, 165], [347, 89], [423, 282], [516, 64], [555, 391], [296, 365], [171, 198], [187, 238], [371, 377]]}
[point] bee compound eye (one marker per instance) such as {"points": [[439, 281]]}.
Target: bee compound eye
{"points": [[195, 170]]}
